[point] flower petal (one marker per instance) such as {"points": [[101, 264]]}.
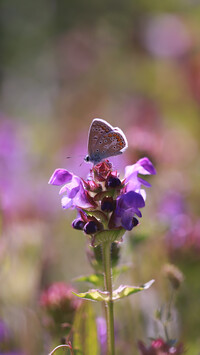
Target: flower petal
{"points": [[66, 202], [143, 166], [60, 177], [146, 167], [133, 199], [127, 219]]}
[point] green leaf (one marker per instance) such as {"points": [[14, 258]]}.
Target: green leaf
{"points": [[85, 339], [109, 235], [121, 292], [95, 279], [94, 295], [124, 291]]}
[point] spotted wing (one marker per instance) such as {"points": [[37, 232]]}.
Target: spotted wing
{"points": [[111, 143], [97, 130]]}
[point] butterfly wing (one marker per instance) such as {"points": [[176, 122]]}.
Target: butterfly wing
{"points": [[105, 141], [98, 128], [111, 143]]}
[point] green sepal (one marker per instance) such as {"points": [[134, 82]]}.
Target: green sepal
{"points": [[120, 292], [99, 215], [108, 235], [102, 194], [95, 279]]}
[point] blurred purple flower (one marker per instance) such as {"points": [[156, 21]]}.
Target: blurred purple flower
{"points": [[171, 205], [182, 229], [4, 331], [166, 36], [6, 339], [18, 172], [102, 333]]}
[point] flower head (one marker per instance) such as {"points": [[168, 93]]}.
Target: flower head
{"points": [[174, 275], [59, 305], [160, 347], [104, 201]]}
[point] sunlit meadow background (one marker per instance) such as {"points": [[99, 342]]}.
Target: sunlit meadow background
{"points": [[135, 64]]}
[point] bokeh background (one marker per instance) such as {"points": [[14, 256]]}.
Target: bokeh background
{"points": [[135, 64]]}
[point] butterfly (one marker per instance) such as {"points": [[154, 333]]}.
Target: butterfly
{"points": [[104, 141]]}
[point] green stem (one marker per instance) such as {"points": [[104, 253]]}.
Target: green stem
{"points": [[106, 249]]}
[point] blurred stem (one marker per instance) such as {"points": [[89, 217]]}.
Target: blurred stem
{"points": [[106, 250], [166, 332], [170, 305]]}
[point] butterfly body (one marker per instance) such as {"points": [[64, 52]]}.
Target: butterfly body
{"points": [[104, 141]]}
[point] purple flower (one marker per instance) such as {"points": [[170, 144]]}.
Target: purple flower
{"points": [[128, 205], [144, 167], [60, 176], [4, 331], [75, 194], [101, 332], [104, 201], [133, 198]]}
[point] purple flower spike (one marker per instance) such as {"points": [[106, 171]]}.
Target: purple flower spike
{"points": [[60, 177], [104, 197]]}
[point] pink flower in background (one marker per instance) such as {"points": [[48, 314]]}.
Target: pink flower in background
{"points": [[160, 347], [59, 303], [166, 36]]}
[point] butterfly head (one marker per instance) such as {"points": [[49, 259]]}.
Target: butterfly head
{"points": [[87, 158], [95, 159]]}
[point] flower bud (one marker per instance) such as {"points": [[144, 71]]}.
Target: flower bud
{"points": [[78, 223], [174, 275], [135, 222], [108, 204], [113, 181], [59, 306], [90, 227]]}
